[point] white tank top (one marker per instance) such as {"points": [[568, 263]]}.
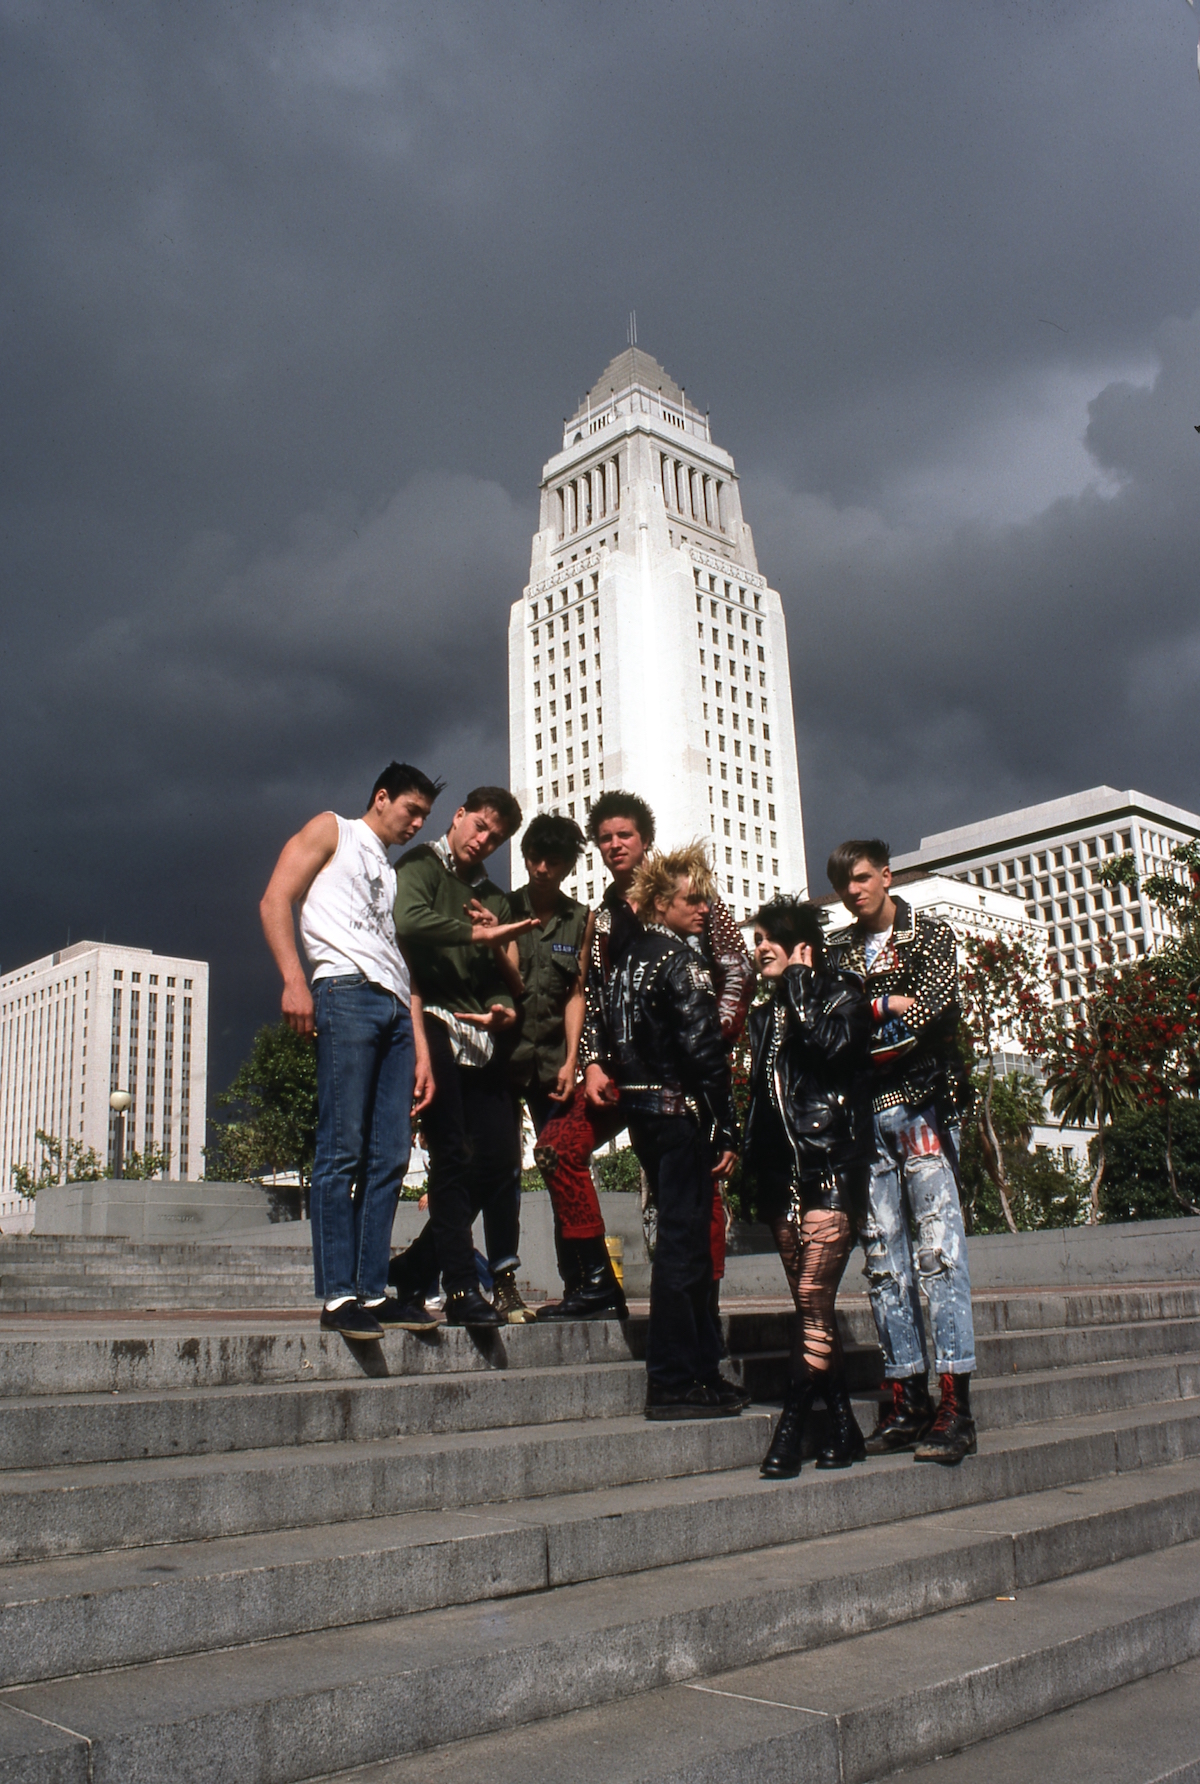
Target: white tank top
{"points": [[346, 922]]}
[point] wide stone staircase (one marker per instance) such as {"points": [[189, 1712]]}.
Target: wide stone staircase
{"points": [[53, 1273], [248, 1551]]}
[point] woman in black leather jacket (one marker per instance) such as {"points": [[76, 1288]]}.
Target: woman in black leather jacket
{"points": [[808, 1149]]}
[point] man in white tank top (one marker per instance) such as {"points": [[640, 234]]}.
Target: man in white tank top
{"points": [[373, 1068]]}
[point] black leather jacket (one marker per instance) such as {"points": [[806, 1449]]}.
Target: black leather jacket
{"points": [[810, 1087], [664, 1032]]}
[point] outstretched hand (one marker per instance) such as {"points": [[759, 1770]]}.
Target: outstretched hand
{"points": [[487, 928], [500, 1016]]}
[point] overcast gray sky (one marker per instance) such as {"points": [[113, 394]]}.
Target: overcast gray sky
{"points": [[295, 297]]}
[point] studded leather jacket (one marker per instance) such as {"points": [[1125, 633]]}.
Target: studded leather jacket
{"points": [[921, 962], [810, 1091], [617, 927], [665, 1048]]}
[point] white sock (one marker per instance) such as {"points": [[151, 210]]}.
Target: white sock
{"points": [[332, 1306]]}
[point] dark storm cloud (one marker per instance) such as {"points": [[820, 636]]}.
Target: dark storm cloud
{"points": [[295, 298]]}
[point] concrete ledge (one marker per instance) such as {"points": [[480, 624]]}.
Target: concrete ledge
{"points": [[153, 1209]]}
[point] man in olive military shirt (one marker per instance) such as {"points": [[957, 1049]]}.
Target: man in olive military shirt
{"points": [[551, 958]]}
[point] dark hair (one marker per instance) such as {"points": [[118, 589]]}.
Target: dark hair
{"points": [[619, 804], [402, 777], [847, 855], [499, 800], [787, 920], [559, 839]]}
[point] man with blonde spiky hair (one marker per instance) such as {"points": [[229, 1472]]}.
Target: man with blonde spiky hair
{"points": [[666, 1056]]}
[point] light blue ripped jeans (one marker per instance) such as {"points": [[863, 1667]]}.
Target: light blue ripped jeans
{"points": [[912, 1181]]}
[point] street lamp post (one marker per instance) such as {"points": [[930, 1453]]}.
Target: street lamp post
{"points": [[119, 1102]]}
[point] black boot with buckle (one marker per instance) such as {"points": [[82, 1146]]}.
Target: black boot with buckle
{"points": [[905, 1421], [596, 1294]]}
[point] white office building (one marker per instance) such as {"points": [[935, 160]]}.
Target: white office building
{"points": [[94, 1018], [647, 651], [1048, 856]]}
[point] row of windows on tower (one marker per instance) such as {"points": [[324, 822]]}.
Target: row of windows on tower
{"points": [[732, 592], [588, 498], [694, 494], [543, 606]]}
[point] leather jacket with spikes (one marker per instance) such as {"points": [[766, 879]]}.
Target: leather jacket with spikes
{"points": [[664, 1034], [617, 927]]}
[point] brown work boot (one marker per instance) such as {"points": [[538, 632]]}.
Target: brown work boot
{"points": [[507, 1300]]}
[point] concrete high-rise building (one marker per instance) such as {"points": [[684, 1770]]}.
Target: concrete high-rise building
{"points": [[94, 1018], [647, 651], [1048, 857]]}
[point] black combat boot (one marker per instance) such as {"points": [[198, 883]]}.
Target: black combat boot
{"points": [[952, 1434], [845, 1439], [597, 1293], [782, 1460], [905, 1421]]}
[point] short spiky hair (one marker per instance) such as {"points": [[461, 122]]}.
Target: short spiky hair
{"points": [[657, 879], [618, 804], [842, 862], [402, 777], [499, 800], [787, 920], [548, 835]]}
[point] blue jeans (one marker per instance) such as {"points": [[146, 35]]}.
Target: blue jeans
{"points": [[913, 1179], [365, 1070]]}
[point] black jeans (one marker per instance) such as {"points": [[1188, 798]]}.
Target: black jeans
{"points": [[683, 1345], [473, 1138]]}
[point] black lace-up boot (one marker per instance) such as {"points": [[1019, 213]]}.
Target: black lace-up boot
{"points": [[905, 1421], [782, 1460], [845, 1439], [952, 1434]]}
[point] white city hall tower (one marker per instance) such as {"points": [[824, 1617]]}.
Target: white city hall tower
{"points": [[647, 652]]}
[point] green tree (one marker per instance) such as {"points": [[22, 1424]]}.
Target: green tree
{"points": [[274, 1097], [1137, 1185], [1004, 1001], [56, 1162], [155, 1161], [1042, 1191]]}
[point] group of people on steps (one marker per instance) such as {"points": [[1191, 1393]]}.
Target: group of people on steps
{"points": [[438, 999]]}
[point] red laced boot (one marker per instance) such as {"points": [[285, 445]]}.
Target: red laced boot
{"points": [[905, 1421], [952, 1434]]}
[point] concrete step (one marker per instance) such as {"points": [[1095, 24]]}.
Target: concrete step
{"points": [[1144, 1733], [112, 1505], [851, 1671], [116, 1427], [118, 1609], [139, 1356], [121, 1427], [862, 1709]]}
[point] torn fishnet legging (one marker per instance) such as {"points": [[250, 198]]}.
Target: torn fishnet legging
{"points": [[814, 1258]]}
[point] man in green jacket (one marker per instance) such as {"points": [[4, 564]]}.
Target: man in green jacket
{"points": [[552, 961], [455, 929]]}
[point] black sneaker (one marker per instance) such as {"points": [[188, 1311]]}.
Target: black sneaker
{"points": [[696, 1402], [352, 1321], [405, 1316]]}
